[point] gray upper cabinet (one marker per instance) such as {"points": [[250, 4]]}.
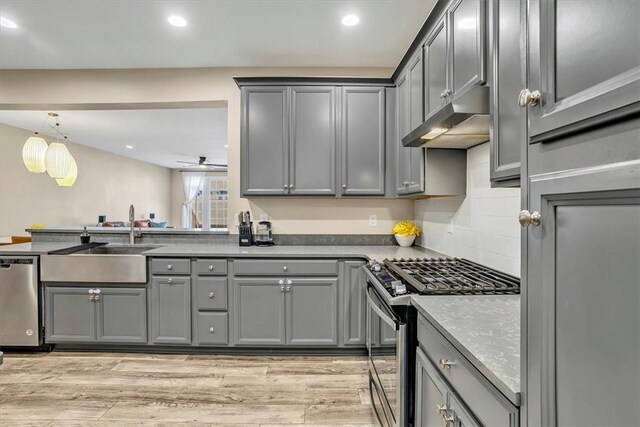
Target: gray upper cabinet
{"points": [[467, 45], [265, 140], [403, 154], [122, 315], [170, 311], [508, 121], [312, 311], [259, 312], [313, 134], [435, 67], [354, 303], [70, 315], [363, 141], [582, 260], [579, 80]]}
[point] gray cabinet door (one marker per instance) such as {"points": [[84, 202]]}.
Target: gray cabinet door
{"points": [[313, 134], [259, 311], [171, 310], [435, 67], [585, 61], [431, 393], [312, 311], [264, 140], [363, 141], [415, 170], [122, 315], [354, 303], [467, 44], [583, 296], [403, 154], [69, 315], [509, 122]]}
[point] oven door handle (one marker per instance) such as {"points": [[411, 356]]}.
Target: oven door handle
{"points": [[388, 320]]}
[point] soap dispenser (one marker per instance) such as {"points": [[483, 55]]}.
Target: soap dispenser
{"points": [[85, 237]]}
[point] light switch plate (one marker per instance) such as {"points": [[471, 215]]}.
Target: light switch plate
{"points": [[373, 220]]}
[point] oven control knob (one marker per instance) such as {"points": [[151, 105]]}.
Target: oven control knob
{"points": [[376, 267], [401, 289]]}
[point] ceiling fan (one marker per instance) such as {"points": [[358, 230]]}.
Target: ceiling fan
{"points": [[202, 162]]}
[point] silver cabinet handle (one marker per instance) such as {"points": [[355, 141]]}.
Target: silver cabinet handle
{"points": [[169, 267], [448, 419], [287, 289], [527, 218], [289, 282], [285, 268], [442, 408], [211, 296], [445, 363], [528, 98], [211, 268], [212, 330], [91, 295], [169, 280], [281, 288], [281, 282]]}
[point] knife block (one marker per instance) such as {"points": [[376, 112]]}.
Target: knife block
{"points": [[245, 236]]}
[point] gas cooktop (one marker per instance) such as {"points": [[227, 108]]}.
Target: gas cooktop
{"points": [[442, 276]]}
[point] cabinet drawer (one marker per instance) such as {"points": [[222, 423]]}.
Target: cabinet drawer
{"points": [[170, 266], [484, 400], [211, 293], [212, 328], [285, 267], [211, 267]]}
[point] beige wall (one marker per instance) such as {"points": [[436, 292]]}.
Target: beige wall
{"points": [[107, 184], [28, 88]]}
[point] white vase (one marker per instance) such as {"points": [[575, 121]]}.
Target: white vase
{"points": [[405, 241]]}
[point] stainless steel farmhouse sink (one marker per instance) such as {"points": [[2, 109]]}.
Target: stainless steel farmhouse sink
{"points": [[96, 264]]}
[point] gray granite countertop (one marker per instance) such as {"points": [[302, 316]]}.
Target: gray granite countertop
{"points": [[235, 251], [485, 329]]}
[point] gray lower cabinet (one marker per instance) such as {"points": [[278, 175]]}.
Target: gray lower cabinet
{"points": [[582, 260], [508, 121], [312, 311], [264, 168], [170, 311], [354, 304], [431, 394], [259, 311], [598, 80], [122, 315], [363, 141], [80, 314]]}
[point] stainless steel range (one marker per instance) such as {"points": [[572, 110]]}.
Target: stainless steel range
{"points": [[391, 321]]}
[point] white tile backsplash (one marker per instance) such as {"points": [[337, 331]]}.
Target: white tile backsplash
{"points": [[485, 226]]}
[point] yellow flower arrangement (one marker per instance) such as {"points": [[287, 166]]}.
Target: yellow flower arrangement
{"points": [[406, 228]]}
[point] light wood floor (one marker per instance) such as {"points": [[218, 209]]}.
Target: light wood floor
{"points": [[107, 389]]}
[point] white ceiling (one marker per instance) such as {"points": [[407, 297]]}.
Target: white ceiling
{"points": [[89, 34], [158, 136]]}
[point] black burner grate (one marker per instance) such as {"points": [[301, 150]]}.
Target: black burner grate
{"points": [[450, 276]]}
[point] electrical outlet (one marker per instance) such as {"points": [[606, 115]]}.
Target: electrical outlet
{"points": [[373, 220], [264, 217]]}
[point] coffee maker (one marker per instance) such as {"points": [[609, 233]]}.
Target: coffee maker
{"points": [[264, 236]]}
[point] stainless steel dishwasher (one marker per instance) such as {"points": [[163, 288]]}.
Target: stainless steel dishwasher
{"points": [[19, 308]]}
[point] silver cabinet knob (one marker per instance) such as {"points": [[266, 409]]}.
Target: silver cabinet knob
{"points": [[169, 267], [281, 282], [442, 408], [286, 186], [344, 186], [169, 280], [212, 330], [406, 183], [528, 98], [527, 218], [211, 268], [91, 295], [445, 363], [211, 296], [289, 282], [285, 268], [281, 288]]}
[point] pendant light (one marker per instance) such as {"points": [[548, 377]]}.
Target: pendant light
{"points": [[33, 154], [57, 160], [71, 176]]}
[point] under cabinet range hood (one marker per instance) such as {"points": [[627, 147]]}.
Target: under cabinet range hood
{"points": [[462, 123]]}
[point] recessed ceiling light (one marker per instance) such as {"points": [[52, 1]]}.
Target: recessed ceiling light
{"points": [[7, 23], [350, 20], [177, 21], [130, 147]]}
